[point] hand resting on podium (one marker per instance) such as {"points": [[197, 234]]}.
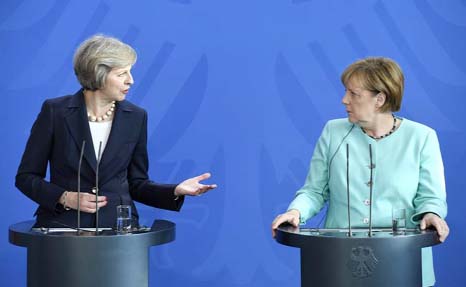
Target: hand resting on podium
{"points": [[433, 220], [291, 216]]}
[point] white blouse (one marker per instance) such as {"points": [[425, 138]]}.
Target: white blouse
{"points": [[100, 132]]}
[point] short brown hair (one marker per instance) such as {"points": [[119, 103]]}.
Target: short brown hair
{"points": [[378, 75], [97, 56]]}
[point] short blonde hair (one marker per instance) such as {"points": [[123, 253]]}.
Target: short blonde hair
{"points": [[378, 75], [97, 56]]}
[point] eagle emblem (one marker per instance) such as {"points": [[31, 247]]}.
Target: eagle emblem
{"points": [[362, 261]]}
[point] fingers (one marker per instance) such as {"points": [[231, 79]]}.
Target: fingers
{"points": [[282, 218], [438, 223], [88, 204], [423, 224], [291, 217], [295, 221], [204, 188], [203, 176], [276, 223], [199, 191], [279, 220], [91, 197], [442, 228], [444, 232], [188, 187], [90, 208]]}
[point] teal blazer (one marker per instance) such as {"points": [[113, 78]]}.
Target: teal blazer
{"points": [[407, 173]]}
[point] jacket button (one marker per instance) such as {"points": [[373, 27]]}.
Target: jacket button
{"points": [[365, 220], [367, 202], [94, 190]]}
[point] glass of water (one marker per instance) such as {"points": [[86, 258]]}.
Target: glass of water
{"points": [[399, 220], [123, 218]]}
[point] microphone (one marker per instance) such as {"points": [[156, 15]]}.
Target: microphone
{"points": [[79, 185], [97, 189], [347, 190], [370, 191]]}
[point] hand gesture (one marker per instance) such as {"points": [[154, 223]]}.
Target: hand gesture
{"points": [[192, 186]]}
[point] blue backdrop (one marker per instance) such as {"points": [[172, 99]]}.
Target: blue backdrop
{"points": [[241, 88]]}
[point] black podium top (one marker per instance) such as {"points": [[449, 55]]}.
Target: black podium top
{"points": [[22, 234], [301, 237]]}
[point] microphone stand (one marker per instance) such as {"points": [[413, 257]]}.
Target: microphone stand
{"points": [[97, 190], [347, 190], [79, 186], [370, 194]]}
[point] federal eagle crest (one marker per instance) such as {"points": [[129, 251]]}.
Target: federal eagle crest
{"points": [[362, 261]]}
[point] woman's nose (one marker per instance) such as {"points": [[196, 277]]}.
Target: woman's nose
{"points": [[344, 100], [130, 79]]}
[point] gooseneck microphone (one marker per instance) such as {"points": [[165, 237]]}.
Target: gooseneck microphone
{"points": [[79, 185], [97, 189], [347, 190], [371, 183]]}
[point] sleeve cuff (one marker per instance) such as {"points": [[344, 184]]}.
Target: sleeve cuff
{"points": [[417, 217]]}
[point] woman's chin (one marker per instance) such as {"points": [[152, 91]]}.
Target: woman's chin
{"points": [[120, 98], [352, 119]]}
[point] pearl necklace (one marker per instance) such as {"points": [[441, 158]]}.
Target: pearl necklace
{"points": [[107, 115], [385, 135]]}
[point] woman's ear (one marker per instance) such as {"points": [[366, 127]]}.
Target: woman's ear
{"points": [[380, 99]]}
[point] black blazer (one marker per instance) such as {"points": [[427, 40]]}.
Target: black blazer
{"points": [[56, 139]]}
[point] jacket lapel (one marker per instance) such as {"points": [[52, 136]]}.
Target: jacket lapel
{"points": [[78, 127], [122, 124]]}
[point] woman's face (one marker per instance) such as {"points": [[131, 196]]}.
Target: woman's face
{"points": [[361, 104], [117, 84]]}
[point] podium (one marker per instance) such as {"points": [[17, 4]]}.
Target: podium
{"points": [[329, 257], [61, 257]]}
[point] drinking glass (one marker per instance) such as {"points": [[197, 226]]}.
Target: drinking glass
{"points": [[123, 218], [399, 220]]}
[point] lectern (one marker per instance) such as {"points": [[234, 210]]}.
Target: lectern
{"points": [[330, 257], [62, 257]]}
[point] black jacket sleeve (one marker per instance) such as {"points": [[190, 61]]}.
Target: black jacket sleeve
{"points": [[30, 178], [141, 188]]}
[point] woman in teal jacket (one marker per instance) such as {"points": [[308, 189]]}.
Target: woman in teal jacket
{"points": [[407, 168]]}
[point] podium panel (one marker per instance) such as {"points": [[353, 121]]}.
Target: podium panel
{"points": [[329, 257], [61, 257]]}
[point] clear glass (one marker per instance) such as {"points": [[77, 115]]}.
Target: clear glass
{"points": [[399, 220], [123, 218]]}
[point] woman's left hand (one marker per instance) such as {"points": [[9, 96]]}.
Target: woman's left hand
{"points": [[432, 219], [192, 186]]}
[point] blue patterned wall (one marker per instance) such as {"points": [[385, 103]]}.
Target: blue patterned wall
{"points": [[241, 88]]}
